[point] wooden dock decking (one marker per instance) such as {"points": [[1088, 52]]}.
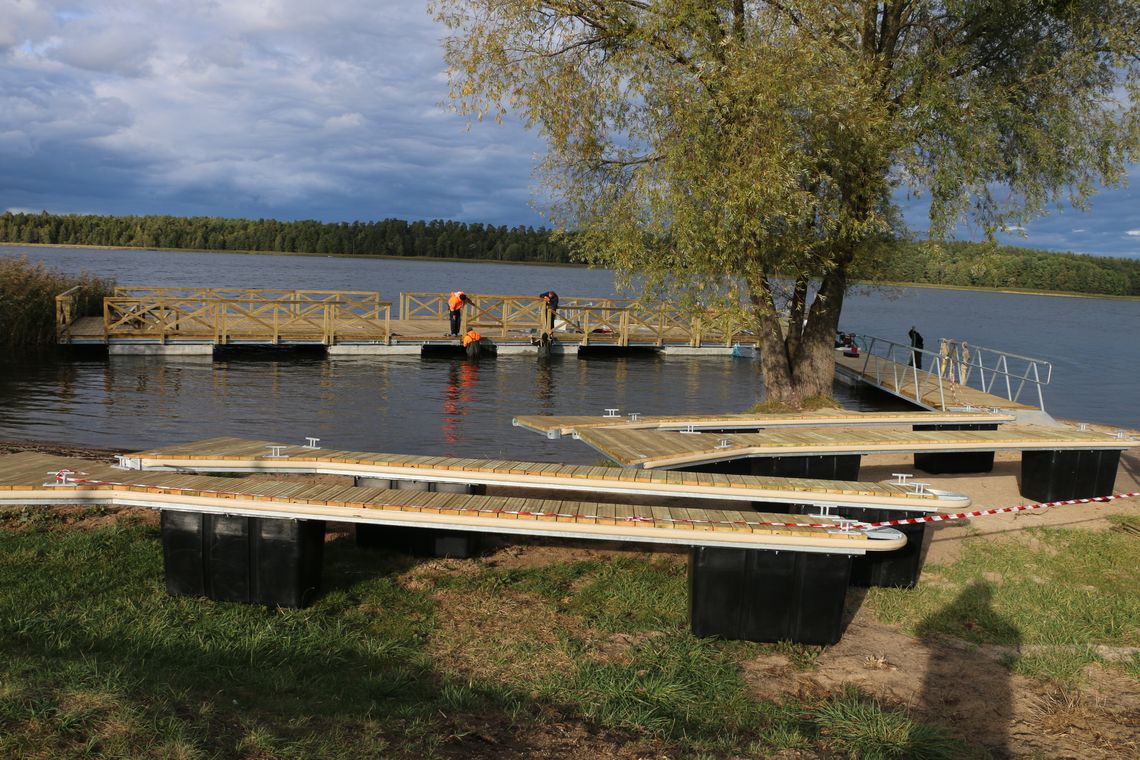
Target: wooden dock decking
{"points": [[556, 426], [23, 476], [237, 454], [250, 316], [657, 449]]}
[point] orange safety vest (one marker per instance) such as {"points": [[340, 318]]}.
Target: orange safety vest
{"points": [[470, 338], [455, 303]]}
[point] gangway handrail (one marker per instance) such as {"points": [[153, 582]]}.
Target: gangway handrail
{"points": [[919, 377], [955, 361], [961, 355]]}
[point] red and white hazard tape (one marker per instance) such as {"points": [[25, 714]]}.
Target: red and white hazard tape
{"points": [[64, 477]]}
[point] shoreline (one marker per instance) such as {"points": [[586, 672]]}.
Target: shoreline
{"points": [[571, 265], [242, 252]]}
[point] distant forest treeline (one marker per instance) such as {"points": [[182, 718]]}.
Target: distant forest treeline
{"points": [[957, 263], [390, 237]]}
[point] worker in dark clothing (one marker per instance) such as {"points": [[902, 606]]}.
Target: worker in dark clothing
{"points": [[550, 298], [455, 310], [916, 347]]}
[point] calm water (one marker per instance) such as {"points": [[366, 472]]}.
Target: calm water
{"points": [[449, 406]]}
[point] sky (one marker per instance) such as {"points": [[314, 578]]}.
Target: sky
{"points": [[294, 109]]}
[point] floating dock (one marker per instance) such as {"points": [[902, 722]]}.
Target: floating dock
{"points": [[29, 478], [554, 427], [140, 319], [853, 500], [242, 455], [752, 576], [1057, 463]]}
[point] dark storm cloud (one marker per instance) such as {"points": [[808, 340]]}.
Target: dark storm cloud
{"points": [[288, 109]]}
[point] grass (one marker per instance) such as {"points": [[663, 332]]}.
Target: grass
{"points": [[396, 659], [27, 295], [1053, 597]]}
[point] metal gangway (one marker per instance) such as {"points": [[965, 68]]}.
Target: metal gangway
{"points": [[955, 377]]}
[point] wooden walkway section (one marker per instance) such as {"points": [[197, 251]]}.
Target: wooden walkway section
{"points": [[241, 455], [28, 478], [554, 427], [138, 315], [656, 449]]}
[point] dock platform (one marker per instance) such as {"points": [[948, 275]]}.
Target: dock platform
{"points": [[555, 427], [261, 541], [242, 455], [1057, 463], [141, 319]]}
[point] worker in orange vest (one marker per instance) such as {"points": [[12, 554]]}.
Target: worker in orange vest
{"points": [[470, 337], [455, 310]]}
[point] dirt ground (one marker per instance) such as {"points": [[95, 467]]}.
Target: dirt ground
{"points": [[965, 689]]}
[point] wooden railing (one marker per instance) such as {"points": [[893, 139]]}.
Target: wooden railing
{"points": [[224, 320], [613, 321], [223, 315], [66, 312], [248, 294]]}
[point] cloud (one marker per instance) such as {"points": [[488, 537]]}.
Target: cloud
{"points": [[344, 121], [123, 50], [284, 108], [1133, 233], [290, 109]]}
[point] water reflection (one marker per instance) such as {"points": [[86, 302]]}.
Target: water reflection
{"points": [[432, 405], [462, 379], [544, 384]]}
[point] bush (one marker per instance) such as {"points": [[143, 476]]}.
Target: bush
{"points": [[27, 300]]}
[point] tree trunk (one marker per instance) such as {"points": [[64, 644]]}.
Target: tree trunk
{"points": [[813, 367], [792, 375]]}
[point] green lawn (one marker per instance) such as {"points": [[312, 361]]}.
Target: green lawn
{"points": [[409, 658]]}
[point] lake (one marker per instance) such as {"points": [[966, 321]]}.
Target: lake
{"points": [[449, 406]]}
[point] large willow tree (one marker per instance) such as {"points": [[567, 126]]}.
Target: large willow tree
{"points": [[749, 152]]}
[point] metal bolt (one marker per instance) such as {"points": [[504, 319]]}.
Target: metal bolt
{"points": [[919, 488], [612, 413], [724, 443], [634, 416], [311, 443], [902, 477], [275, 452]]}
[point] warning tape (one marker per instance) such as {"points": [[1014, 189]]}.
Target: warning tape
{"points": [[64, 477]]}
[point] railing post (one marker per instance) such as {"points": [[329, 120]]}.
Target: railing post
{"points": [[1037, 378]]}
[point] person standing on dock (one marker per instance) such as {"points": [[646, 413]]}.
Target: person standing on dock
{"points": [[455, 310], [550, 298], [916, 347]]}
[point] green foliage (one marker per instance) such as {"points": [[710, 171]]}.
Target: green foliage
{"points": [[706, 147], [27, 300], [967, 265], [390, 237]]}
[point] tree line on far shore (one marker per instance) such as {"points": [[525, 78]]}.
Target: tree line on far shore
{"points": [[963, 264]]}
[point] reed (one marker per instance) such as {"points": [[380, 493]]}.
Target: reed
{"points": [[27, 300]]}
